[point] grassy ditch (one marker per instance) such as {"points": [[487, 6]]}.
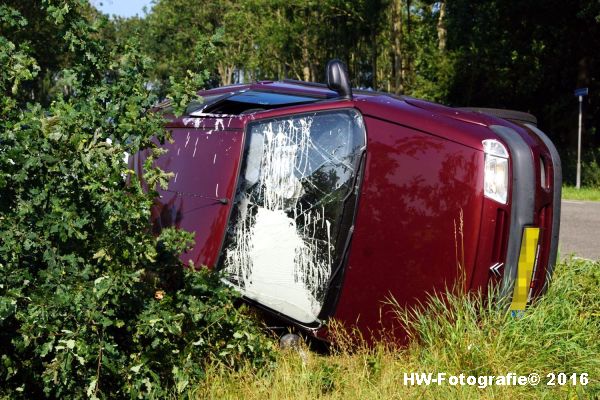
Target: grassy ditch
{"points": [[560, 333], [584, 193]]}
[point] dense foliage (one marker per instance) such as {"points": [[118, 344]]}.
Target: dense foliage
{"points": [[91, 303], [527, 56]]}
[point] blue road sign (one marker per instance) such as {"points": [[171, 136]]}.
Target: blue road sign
{"points": [[581, 92]]}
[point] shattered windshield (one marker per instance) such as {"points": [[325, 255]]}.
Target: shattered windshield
{"points": [[245, 101], [289, 224]]}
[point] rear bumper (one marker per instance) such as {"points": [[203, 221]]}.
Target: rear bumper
{"points": [[556, 199], [528, 210]]}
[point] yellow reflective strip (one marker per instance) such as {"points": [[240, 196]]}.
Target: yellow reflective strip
{"points": [[525, 267]]}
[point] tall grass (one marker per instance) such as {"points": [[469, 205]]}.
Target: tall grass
{"points": [[455, 334]]}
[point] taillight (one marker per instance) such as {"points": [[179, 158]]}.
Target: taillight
{"points": [[495, 179]]}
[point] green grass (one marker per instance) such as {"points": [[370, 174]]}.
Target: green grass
{"points": [[584, 193], [560, 333]]}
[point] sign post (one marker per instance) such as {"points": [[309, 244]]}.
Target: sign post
{"points": [[579, 93]]}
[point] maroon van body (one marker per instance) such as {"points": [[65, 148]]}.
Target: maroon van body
{"points": [[318, 207]]}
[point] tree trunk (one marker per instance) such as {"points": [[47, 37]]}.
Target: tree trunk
{"points": [[408, 50], [441, 27], [225, 72], [407, 17], [397, 84], [305, 51], [374, 57]]}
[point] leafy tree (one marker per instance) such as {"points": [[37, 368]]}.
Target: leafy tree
{"points": [[44, 41], [529, 56], [91, 303], [178, 35]]}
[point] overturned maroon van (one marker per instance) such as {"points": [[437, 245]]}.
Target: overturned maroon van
{"points": [[320, 203]]}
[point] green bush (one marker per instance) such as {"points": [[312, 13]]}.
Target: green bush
{"points": [[91, 303], [590, 170]]}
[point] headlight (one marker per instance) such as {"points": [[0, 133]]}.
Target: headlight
{"points": [[495, 179]]}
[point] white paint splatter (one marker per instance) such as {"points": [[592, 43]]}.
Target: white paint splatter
{"points": [[187, 139], [328, 240], [217, 191], [212, 115], [215, 159], [274, 248], [219, 122], [176, 174], [195, 122], [271, 259], [195, 148]]}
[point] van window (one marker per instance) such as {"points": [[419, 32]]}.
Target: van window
{"points": [[290, 219]]}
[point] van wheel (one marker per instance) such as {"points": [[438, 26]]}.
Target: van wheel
{"points": [[290, 341]]}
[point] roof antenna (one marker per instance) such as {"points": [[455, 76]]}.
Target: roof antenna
{"points": [[337, 79]]}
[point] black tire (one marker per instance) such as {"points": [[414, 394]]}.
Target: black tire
{"points": [[290, 341]]}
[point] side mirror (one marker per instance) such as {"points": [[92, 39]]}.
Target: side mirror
{"points": [[337, 79]]}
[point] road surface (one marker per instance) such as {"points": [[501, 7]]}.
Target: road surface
{"points": [[580, 229]]}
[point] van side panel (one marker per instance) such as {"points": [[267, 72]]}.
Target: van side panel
{"points": [[419, 217], [205, 165]]}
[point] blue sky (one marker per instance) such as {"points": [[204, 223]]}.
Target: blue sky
{"points": [[122, 8]]}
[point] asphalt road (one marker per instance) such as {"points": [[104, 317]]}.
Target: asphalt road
{"points": [[580, 229]]}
